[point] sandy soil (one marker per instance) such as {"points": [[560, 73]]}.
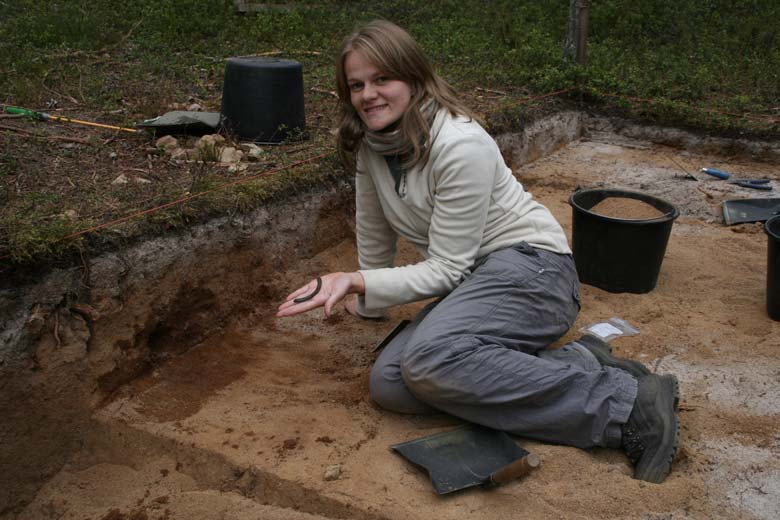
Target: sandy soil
{"points": [[247, 424]]}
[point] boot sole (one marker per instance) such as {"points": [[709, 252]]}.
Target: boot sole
{"points": [[602, 351], [658, 467]]}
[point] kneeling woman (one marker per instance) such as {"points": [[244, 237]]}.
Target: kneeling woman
{"points": [[497, 259]]}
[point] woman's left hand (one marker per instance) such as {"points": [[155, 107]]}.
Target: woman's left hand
{"points": [[333, 289]]}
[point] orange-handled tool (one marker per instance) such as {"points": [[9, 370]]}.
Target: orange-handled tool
{"points": [[42, 116]]}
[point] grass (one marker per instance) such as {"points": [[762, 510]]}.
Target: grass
{"points": [[120, 63], [724, 53]]}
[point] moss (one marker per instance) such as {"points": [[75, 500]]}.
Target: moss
{"points": [[43, 241]]}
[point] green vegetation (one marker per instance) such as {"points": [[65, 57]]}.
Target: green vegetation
{"points": [[717, 53], [683, 62], [40, 241]]}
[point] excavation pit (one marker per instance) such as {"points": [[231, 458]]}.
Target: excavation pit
{"points": [[177, 394]]}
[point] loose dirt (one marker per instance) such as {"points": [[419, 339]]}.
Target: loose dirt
{"points": [[246, 424], [627, 209]]}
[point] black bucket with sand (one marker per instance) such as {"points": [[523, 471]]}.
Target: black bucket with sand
{"points": [[619, 238], [772, 228]]}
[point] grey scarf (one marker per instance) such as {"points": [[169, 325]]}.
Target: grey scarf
{"points": [[392, 142]]}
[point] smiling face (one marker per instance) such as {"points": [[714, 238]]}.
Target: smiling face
{"points": [[379, 100]]}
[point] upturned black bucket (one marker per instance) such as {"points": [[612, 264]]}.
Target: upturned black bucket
{"points": [[262, 99], [614, 254], [772, 228]]}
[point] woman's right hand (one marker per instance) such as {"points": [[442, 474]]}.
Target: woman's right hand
{"points": [[350, 304], [334, 287]]}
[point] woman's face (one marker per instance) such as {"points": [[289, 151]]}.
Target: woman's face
{"points": [[379, 100]]}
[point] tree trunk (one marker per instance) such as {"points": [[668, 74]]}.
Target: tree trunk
{"points": [[577, 32]]}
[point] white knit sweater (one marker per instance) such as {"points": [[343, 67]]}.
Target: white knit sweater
{"points": [[462, 205]]}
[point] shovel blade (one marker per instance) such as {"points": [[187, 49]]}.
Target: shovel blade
{"points": [[461, 458], [749, 210]]}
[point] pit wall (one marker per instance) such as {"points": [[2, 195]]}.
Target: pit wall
{"points": [[540, 138], [70, 339], [544, 136]]}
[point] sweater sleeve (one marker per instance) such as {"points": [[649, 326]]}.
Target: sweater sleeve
{"points": [[463, 172], [376, 239]]}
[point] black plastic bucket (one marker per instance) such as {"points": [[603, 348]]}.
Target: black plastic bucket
{"points": [[262, 99], [619, 255], [772, 228]]}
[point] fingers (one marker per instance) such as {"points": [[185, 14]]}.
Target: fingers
{"points": [[310, 295], [331, 301], [337, 292], [290, 308], [306, 289], [350, 304]]}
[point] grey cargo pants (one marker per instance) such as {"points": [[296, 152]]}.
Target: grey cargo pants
{"points": [[479, 354]]}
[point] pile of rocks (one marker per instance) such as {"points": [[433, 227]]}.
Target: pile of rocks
{"points": [[212, 148]]}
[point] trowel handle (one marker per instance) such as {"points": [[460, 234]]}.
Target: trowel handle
{"points": [[519, 468], [720, 174]]}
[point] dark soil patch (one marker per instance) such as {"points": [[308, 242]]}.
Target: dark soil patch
{"points": [[188, 380]]}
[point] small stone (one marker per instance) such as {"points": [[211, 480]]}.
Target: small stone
{"points": [[141, 180], [209, 140], [237, 167], [86, 311], [247, 480], [230, 155], [167, 143], [195, 108], [112, 156], [180, 153], [120, 180], [621, 469], [333, 472], [36, 320], [253, 152]]}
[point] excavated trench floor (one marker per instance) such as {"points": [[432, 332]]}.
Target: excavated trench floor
{"points": [[247, 423]]}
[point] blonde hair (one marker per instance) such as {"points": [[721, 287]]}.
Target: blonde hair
{"points": [[393, 51]]}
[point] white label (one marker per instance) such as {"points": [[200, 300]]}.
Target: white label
{"points": [[603, 330]]}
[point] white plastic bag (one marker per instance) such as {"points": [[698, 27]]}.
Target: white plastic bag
{"points": [[610, 329]]}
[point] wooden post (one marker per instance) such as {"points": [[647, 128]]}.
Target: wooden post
{"points": [[577, 32], [582, 42]]}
